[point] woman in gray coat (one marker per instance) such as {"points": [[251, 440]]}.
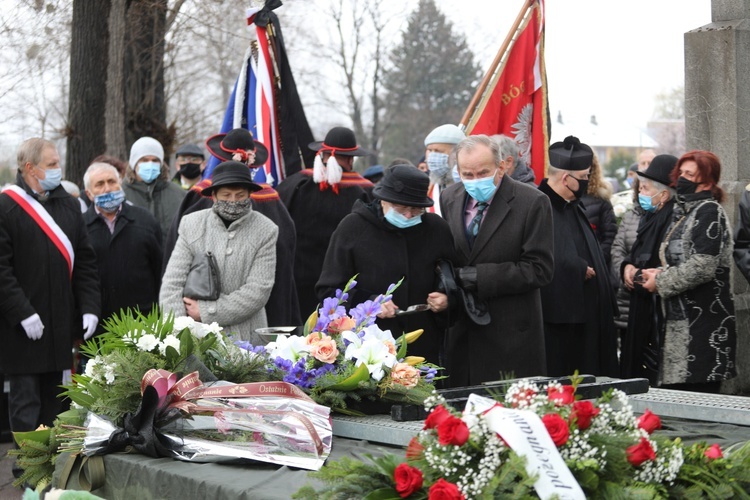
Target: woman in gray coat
{"points": [[244, 245]]}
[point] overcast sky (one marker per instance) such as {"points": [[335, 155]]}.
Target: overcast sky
{"points": [[604, 57]]}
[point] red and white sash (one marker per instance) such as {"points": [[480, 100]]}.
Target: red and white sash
{"points": [[45, 222]]}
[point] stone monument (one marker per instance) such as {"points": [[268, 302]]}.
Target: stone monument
{"points": [[717, 118]]}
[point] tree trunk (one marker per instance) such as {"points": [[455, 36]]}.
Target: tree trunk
{"points": [[88, 75], [145, 105], [115, 122]]}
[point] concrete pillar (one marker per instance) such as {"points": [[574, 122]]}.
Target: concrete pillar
{"points": [[717, 118]]}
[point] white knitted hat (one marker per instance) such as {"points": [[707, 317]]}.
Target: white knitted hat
{"points": [[445, 134], [146, 146]]}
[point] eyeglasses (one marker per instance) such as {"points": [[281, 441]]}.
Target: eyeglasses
{"points": [[584, 177], [404, 210]]}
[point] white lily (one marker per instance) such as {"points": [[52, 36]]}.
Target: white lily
{"points": [[374, 332], [374, 353], [290, 347]]}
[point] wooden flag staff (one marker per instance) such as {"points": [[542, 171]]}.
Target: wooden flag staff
{"points": [[495, 63]]}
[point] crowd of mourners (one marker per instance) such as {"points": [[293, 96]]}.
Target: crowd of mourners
{"points": [[513, 276]]}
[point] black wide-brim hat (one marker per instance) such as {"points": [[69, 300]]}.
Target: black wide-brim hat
{"points": [[224, 146], [660, 169], [340, 141], [231, 173], [404, 185], [570, 154]]}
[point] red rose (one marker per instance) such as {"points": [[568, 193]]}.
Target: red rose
{"points": [[443, 490], [649, 422], [641, 452], [564, 397], [453, 430], [408, 480], [414, 450], [436, 417], [583, 413], [713, 452], [557, 428]]}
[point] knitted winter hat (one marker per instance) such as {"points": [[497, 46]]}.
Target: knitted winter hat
{"points": [[445, 134], [145, 146]]}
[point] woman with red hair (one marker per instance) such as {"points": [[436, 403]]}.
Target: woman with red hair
{"points": [[698, 348]]}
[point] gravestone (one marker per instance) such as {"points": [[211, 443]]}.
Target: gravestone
{"points": [[717, 118]]}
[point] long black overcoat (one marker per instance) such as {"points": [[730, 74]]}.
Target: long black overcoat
{"points": [[129, 259], [381, 254], [34, 278], [316, 214]]}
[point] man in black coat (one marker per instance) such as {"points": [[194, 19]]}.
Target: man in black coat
{"points": [[282, 308], [127, 242], [48, 282], [318, 199], [579, 304], [502, 230]]}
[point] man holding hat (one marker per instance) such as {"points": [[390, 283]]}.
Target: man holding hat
{"points": [[502, 231], [282, 308], [147, 185], [318, 199], [244, 245], [394, 225], [190, 162], [579, 304], [439, 144]]}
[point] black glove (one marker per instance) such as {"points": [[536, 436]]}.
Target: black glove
{"points": [[466, 278]]}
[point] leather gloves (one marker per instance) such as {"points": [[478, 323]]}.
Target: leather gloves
{"points": [[33, 326], [466, 278], [90, 321]]}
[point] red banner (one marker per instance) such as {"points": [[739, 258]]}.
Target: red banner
{"points": [[515, 102]]}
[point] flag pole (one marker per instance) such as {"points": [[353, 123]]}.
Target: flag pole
{"points": [[493, 67]]}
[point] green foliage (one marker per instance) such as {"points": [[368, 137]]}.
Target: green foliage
{"points": [[37, 461], [431, 80], [349, 478]]}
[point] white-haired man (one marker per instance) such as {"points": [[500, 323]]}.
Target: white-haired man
{"points": [[49, 289], [127, 241]]}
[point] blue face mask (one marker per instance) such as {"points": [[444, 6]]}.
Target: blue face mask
{"points": [[400, 221], [109, 202], [149, 171], [51, 180], [455, 174], [437, 163], [481, 189], [646, 203]]}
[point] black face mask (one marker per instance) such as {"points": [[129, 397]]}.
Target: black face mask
{"points": [[190, 170], [685, 186], [583, 186]]}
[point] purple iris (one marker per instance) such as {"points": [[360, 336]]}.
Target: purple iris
{"points": [[365, 313], [331, 310], [428, 372], [298, 373], [341, 296], [247, 346]]}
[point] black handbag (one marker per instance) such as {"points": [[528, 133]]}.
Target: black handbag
{"points": [[202, 281]]}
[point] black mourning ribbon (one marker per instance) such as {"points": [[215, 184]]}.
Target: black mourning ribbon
{"points": [[140, 429], [264, 17]]}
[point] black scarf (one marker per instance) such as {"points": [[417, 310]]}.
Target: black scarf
{"points": [[651, 230]]}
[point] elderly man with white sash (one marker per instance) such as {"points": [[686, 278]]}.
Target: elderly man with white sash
{"points": [[49, 288]]}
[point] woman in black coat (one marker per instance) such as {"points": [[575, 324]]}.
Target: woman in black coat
{"points": [[599, 211], [640, 344], [389, 239]]}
